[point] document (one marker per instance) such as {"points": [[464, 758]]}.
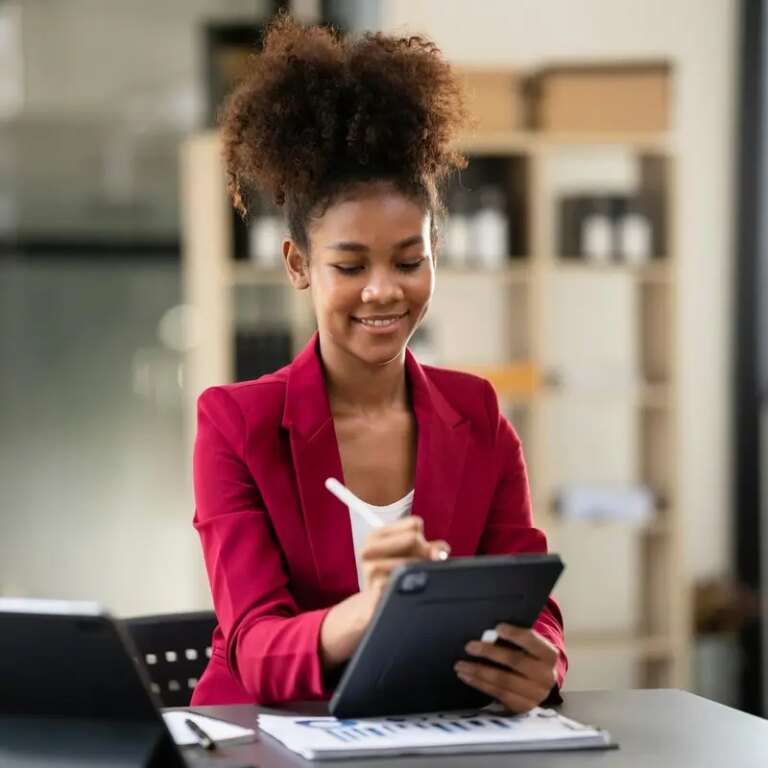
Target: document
{"points": [[220, 731], [321, 738]]}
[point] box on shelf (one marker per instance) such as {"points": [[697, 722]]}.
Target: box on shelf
{"points": [[600, 98], [494, 98]]}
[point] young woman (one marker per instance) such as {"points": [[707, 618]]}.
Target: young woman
{"points": [[352, 137]]}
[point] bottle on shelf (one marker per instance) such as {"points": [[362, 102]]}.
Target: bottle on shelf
{"points": [[458, 230], [634, 234], [490, 229], [265, 238], [597, 233]]}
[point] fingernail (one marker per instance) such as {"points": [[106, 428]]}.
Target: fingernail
{"points": [[472, 647], [460, 667], [442, 554]]}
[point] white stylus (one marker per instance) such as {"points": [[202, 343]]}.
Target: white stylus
{"points": [[356, 505]]}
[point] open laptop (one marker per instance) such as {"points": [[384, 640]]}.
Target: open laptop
{"points": [[74, 692]]}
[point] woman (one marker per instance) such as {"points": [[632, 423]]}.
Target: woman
{"points": [[352, 138]]}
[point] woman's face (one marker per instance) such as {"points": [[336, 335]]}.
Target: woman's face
{"points": [[371, 274]]}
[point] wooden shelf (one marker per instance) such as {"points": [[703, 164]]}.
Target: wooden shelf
{"points": [[514, 273], [650, 396], [246, 273], [643, 647], [511, 312], [522, 142], [656, 272]]}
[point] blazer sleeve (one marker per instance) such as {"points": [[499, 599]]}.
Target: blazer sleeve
{"points": [[271, 647], [509, 528]]}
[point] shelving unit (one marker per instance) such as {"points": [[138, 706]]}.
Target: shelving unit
{"points": [[649, 647]]}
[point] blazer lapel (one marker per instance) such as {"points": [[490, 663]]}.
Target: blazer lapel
{"points": [[315, 451], [442, 447]]}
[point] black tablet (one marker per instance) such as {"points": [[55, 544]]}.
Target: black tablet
{"points": [[404, 663]]}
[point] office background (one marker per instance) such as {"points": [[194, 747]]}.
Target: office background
{"points": [[96, 100]]}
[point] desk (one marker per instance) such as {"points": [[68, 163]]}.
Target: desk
{"points": [[655, 729]]}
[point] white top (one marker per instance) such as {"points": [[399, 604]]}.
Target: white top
{"points": [[387, 514]]}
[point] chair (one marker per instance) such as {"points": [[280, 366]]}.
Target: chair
{"points": [[175, 648]]}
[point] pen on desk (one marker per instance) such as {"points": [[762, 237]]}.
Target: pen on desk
{"points": [[356, 505], [205, 741]]}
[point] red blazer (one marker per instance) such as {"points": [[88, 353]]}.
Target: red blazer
{"points": [[278, 545]]}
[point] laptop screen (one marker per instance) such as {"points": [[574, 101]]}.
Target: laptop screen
{"points": [[70, 682]]}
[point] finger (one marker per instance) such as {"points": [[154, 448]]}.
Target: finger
{"points": [[382, 568], [403, 544], [511, 700], [439, 550], [507, 657], [518, 661], [407, 523], [530, 641], [503, 680]]}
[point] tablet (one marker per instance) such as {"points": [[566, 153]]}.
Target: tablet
{"points": [[404, 663]]}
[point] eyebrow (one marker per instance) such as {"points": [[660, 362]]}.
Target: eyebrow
{"points": [[352, 247]]}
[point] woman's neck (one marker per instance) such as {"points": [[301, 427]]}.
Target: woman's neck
{"points": [[357, 388]]}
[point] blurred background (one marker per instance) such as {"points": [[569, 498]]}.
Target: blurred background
{"points": [[604, 265]]}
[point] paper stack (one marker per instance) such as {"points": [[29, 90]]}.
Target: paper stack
{"points": [[321, 738]]}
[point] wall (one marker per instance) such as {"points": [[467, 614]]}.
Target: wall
{"points": [[699, 39]]}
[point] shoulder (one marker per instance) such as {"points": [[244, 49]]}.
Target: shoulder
{"points": [[256, 403], [470, 395]]}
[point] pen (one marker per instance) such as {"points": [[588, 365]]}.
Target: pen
{"points": [[205, 741], [356, 505]]}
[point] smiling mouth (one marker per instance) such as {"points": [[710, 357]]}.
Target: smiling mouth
{"points": [[380, 322]]}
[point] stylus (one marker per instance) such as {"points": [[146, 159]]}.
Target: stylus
{"points": [[355, 505]]}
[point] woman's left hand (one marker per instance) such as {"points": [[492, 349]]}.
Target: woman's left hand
{"points": [[527, 676]]}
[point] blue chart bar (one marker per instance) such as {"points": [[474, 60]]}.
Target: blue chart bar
{"points": [[442, 727], [458, 725], [375, 731], [500, 723]]}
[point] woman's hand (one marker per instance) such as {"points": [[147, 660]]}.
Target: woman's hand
{"points": [[528, 672], [385, 548], [392, 545]]}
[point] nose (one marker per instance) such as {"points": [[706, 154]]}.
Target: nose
{"points": [[383, 288]]}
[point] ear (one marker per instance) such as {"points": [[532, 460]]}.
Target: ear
{"points": [[296, 264]]}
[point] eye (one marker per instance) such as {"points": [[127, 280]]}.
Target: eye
{"points": [[410, 266], [348, 269]]}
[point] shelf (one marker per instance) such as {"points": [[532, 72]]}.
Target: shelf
{"points": [[246, 273], [514, 273], [643, 647], [522, 142], [651, 396], [657, 527], [653, 273]]}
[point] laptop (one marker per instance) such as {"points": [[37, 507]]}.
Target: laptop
{"points": [[74, 692]]}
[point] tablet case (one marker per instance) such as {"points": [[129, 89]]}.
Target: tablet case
{"points": [[430, 610]]}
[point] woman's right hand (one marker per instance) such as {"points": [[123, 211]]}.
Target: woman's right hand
{"points": [[392, 545], [385, 548]]}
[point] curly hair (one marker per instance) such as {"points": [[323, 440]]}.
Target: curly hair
{"points": [[318, 114]]}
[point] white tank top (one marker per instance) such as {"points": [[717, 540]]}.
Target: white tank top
{"points": [[387, 514]]}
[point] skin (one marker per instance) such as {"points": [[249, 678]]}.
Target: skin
{"points": [[370, 259]]}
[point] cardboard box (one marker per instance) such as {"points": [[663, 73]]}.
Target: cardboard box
{"points": [[495, 98], [600, 98]]}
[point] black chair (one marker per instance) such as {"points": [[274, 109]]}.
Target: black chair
{"points": [[175, 648]]}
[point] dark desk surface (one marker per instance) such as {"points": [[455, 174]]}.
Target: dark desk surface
{"points": [[654, 728]]}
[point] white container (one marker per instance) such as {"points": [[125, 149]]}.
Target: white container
{"points": [[265, 240], [490, 230], [457, 239], [634, 238], [597, 238]]}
